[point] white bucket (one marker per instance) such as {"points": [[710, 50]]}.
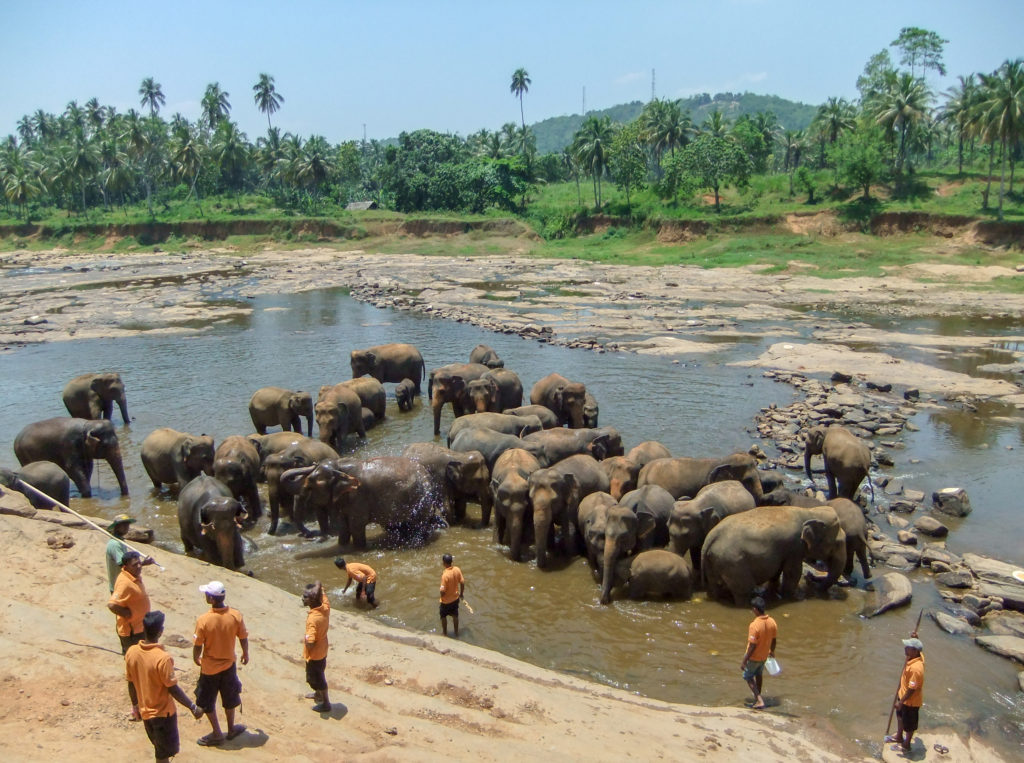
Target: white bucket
{"points": [[772, 666]]}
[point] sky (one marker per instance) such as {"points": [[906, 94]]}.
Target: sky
{"points": [[402, 65]]}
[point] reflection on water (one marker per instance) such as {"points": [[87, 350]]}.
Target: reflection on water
{"points": [[836, 664]]}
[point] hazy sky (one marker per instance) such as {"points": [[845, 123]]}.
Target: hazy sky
{"points": [[398, 65]]}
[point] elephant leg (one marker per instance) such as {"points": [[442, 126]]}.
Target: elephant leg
{"points": [[862, 557], [791, 577], [82, 481], [274, 514], [252, 504], [323, 520], [359, 536], [486, 503], [499, 528], [832, 491], [459, 508]]}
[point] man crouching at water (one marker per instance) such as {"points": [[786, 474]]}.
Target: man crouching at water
{"points": [[150, 670]]}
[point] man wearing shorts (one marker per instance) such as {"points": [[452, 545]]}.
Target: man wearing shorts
{"points": [[363, 574], [453, 586], [761, 636], [910, 695], [315, 644], [150, 670], [214, 653], [129, 602]]}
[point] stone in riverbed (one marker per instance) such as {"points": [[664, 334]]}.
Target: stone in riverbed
{"points": [[955, 579], [1011, 596], [898, 522], [894, 590], [994, 570], [906, 537], [1004, 623], [904, 507], [913, 495], [931, 526], [953, 625], [1005, 646], [933, 552], [952, 501]]}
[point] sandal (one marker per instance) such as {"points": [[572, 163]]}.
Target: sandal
{"points": [[237, 729], [210, 741], [941, 749]]}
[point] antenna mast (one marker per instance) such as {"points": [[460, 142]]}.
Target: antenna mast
{"points": [[584, 100], [652, 85]]}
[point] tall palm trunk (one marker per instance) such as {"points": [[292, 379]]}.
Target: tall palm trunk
{"points": [[988, 184], [1002, 179]]}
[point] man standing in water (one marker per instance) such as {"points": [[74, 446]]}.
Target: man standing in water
{"points": [[453, 585], [910, 695], [761, 636], [214, 653], [363, 574], [130, 603]]}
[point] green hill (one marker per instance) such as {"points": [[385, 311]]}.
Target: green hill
{"points": [[556, 133]]}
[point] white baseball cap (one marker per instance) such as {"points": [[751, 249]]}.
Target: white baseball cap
{"points": [[213, 588]]}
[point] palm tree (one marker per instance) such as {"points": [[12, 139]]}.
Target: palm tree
{"points": [[94, 114], [21, 177], [1002, 112], [45, 125], [715, 124], [26, 131], [901, 107], [270, 155], [267, 99], [961, 101], [591, 146], [138, 141], [665, 127], [151, 95], [82, 162], [314, 164], [230, 151], [520, 84], [187, 159], [836, 116], [215, 105]]}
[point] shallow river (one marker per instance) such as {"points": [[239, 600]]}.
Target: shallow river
{"points": [[839, 669]]}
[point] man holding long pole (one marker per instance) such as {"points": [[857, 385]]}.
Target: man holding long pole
{"points": [[910, 695]]}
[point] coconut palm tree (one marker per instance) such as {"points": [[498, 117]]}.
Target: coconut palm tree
{"points": [[82, 162], [26, 131], [188, 156], [665, 127], [151, 95], [961, 101], [230, 151], [591, 145], [520, 85], [836, 116], [715, 124], [314, 164], [21, 176], [1002, 112], [94, 114], [266, 97], [215, 105], [139, 145], [901, 107]]}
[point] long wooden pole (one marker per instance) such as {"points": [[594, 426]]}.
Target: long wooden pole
{"points": [[896, 697], [58, 504]]}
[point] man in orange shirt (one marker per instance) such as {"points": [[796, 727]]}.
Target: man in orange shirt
{"points": [[453, 586], [910, 695], [315, 644], [214, 653], [130, 603], [761, 637], [151, 671], [363, 574]]}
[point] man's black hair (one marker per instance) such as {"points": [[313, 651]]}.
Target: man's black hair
{"points": [[447, 558], [153, 624], [758, 603]]}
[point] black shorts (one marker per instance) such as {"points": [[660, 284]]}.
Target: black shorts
{"points": [[908, 715], [451, 609], [369, 587], [315, 674], [163, 733], [127, 641], [225, 683]]}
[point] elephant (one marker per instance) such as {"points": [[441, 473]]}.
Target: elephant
{"points": [[72, 444], [590, 411], [565, 399], [276, 406], [558, 444], [684, 477], [44, 476], [655, 574], [555, 494], [510, 387], [371, 394], [92, 396], [653, 507], [394, 492], [492, 444], [510, 496], [622, 474], [760, 546], [447, 384], [405, 393], [171, 456], [339, 411], [304, 452], [463, 475], [209, 517], [520, 426], [547, 417], [591, 517], [389, 363], [647, 451], [486, 355], [691, 519], [495, 391], [847, 459], [236, 463]]}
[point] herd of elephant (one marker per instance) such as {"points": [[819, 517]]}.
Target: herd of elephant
{"points": [[651, 523]]}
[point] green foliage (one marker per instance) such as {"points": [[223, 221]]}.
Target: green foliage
{"points": [[858, 158], [714, 161], [628, 160]]}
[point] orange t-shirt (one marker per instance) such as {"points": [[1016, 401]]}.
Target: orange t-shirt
{"points": [[361, 573], [913, 678], [216, 631], [317, 623], [450, 579], [761, 633], [129, 591], [151, 669]]}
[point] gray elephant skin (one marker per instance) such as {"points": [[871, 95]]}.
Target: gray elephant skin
{"points": [[510, 497], [655, 574], [847, 459], [293, 455], [280, 407], [236, 463], [519, 426], [170, 456], [372, 394], [405, 394], [591, 411], [622, 474], [768, 543], [44, 476], [208, 518], [389, 363], [462, 475], [492, 444], [555, 494], [92, 396], [447, 385], [339, 411], [646, 452], [486, 355], [692, 519], [558, 444], [563, 397], [72, 444], [547, 417], [496, 390], [684, 477]]}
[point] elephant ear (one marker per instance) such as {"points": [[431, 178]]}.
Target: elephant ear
{"points": [[572, 494], [453, 472], [721, 473], [709, 518], [813, 533], [599, 447]]}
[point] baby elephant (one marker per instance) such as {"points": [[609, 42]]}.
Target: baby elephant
{"points": [[405, 392], [45, 477], [656, 574]]}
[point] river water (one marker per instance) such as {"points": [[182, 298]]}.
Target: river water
{"points": [[838, 668]]}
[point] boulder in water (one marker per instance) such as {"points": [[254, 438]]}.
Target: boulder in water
{"points": [[894, 590]]}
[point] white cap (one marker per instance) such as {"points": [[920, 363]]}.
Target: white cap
{"points": [[213, 588]]}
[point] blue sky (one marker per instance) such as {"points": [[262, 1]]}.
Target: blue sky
{"points": [[398, 65]]}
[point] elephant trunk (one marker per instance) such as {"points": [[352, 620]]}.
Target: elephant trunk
{"points": [[225, 540], [541, 531], [576, 418], [807, 463], [309, 426], [117, 465], [836, 561], [436, 404], [515, 539], [294, 475], [122, 403], [611, 557]]}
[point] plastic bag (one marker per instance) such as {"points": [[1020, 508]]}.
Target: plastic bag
{"points": [[772, 666]]}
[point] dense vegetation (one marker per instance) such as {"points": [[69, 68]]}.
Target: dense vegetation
{"points": [[660, 160]]}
